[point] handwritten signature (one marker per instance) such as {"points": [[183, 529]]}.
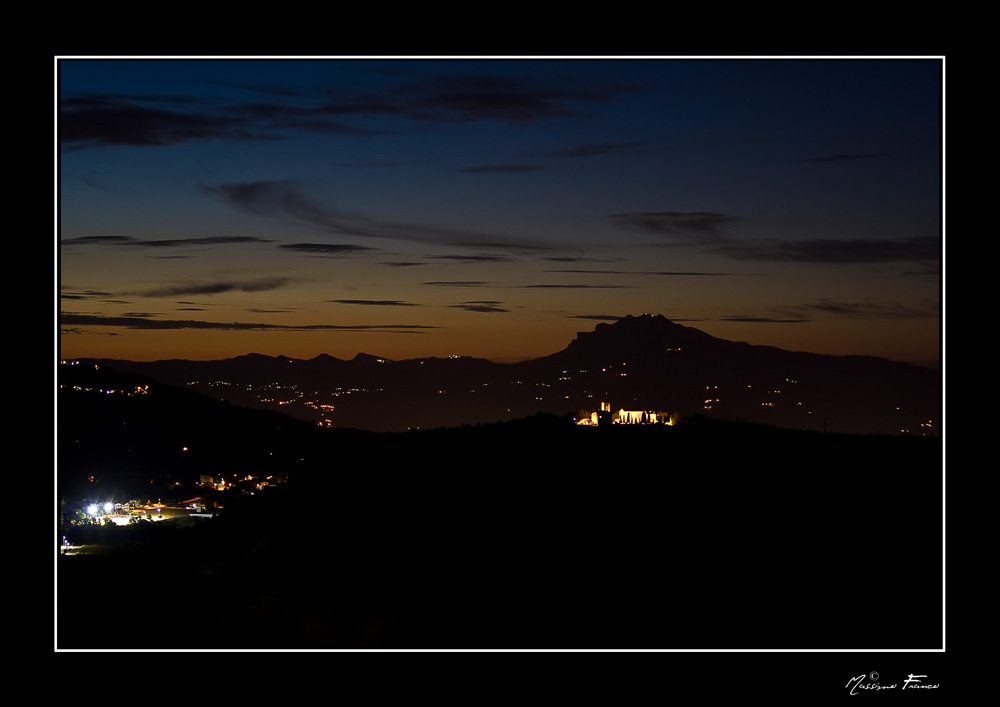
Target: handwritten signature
{"points": [[870, 682]]}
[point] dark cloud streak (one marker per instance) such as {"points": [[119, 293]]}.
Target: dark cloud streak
{"points": [[553, 286], [215, 288], [667, 273], [867, 309], [329, 249], [128, 241], [763, 320], [508, 99], [829, 250], [107, 120], [703, 230], [543, 286], [702, 224], [475, 258], [153, 121], [463, 283], [376, 302], [81, 320], [482, 306]]}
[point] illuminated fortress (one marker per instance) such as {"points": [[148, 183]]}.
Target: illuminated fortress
{"points": [[604, 416]]}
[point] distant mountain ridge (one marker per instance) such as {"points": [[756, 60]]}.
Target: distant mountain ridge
{"points": [[638, 362]]}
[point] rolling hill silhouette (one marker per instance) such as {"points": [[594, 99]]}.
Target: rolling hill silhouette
{"points": [[529, 533]]}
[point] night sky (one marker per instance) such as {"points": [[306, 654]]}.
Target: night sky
{"points": [[411, 207]]}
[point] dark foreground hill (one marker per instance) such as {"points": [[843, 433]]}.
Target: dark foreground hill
{"points": [[536, 533], [126, 435], [637, 363]]}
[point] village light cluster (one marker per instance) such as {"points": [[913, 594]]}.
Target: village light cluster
{"points": [[93, 508]]}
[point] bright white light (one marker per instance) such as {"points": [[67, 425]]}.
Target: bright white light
{"points": [[92, 509], [108, 507]]}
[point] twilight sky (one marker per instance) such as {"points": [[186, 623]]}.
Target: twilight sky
{"points": [[210, 208]]}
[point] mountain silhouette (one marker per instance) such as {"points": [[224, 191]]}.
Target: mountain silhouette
{"points": [[643, 363], [634, 338]]}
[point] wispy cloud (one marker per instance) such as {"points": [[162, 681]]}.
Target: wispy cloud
{"points": [[704, 231], [260, 112], [463, 283], [215, 288], [599, 317], [577, 152], [552, 286], [464, 98], [474, 258], [510, 246], [136, 322], [84, 295], [471, 306], [375, 302], [829, 250], [579, 259], [484, 306], [867, 309], [288, 202], [578, 286], [700, 224], [328, 249], [109, 120], [668, 273], [128, 241], [763, 320]]}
